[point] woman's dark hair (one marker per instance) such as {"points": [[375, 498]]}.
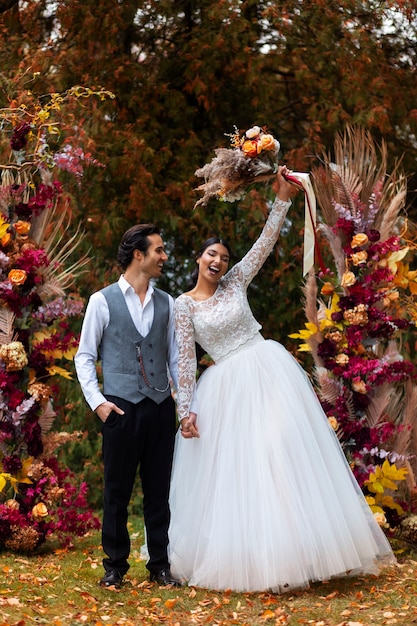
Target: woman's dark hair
{"points": [[208, 242], [136, 238]]}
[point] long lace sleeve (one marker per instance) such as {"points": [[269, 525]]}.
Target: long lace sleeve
{"points": [[252, 262], [187, 360]]}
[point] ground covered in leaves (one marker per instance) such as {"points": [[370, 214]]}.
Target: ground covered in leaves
{"points": [[59, 588]]}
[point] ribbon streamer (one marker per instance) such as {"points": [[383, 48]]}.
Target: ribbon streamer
{"points": [[302, 180]]}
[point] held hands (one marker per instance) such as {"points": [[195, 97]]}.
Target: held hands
{"points": [[188, 426], [103, 410]]}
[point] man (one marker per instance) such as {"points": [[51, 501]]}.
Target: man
{"points": [[129, 325]]}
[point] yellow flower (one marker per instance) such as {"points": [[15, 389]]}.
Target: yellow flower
{"points": [[395, 257], [42, 115], [59, 371], [360, 239], [405, 277], [348, 279], [309, 331], [327, 321], [39, 511], [3, 480], [4, 226], [384, 477]]}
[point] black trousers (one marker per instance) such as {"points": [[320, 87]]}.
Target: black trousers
{"points": [[141, 438]]}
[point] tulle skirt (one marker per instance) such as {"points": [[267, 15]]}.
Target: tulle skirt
{"points": [[264, 499]]}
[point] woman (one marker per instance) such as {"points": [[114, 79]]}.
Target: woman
{"points": [[262, 497]]}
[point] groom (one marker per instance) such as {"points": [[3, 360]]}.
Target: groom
{"points": [[129, 325]]}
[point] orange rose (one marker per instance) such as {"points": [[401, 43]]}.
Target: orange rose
{"points": [[17, 277], [327, 289], [250, 148], [348, 279], [267, 142], [21, 227], [39, 510], [12, 504], [359, 240], [333, 422], [359, 257], [359, 386], [342, 359]]}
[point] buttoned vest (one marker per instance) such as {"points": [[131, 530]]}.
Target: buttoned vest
{"points": [[122, 348]]}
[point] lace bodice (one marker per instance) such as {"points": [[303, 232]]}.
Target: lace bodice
{"points": [[223, 323]]}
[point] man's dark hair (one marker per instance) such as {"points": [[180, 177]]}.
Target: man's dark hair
{"points": [[136, 238]]}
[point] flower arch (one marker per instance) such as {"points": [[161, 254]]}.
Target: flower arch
{"points": [[38, 497]]}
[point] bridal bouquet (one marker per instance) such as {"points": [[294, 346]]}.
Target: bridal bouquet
{"points": [[252, 158]]}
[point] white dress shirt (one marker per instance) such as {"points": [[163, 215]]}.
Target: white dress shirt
{"points": [[96, 320]]}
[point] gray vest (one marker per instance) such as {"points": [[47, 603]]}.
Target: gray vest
{"points": [[122, 344]]}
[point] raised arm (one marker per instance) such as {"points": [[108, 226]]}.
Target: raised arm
{"points": [[252, 262]]}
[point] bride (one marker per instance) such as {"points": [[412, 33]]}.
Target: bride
{"points": [[262, 497]]}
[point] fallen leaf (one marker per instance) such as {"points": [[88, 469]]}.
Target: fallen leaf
{"points": [[268, 614]]}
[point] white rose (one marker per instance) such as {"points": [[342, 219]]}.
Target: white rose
{"points": [[253, 132]]}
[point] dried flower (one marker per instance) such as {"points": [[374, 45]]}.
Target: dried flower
{"points": [[22, 539], [253, 132], [380, 518], [342, 359], [359, 258], [359, 386], [250, 148], [12, 504], [327, 289], [335, 335], [348, 279], [360, 239], [29, 280], [333, 422], [40, 391], [267, 142], [17, 277], [39, 511], [357, 315], [14, 356], [21, 227]]}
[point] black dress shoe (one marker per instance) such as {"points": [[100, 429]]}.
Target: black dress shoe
{"points": [[164, 577], [112, 578]]}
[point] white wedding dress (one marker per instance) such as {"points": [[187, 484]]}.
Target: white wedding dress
{"points": [[264, 499]]}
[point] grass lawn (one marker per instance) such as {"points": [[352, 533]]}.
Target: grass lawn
{"points": [[60, 587]]}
